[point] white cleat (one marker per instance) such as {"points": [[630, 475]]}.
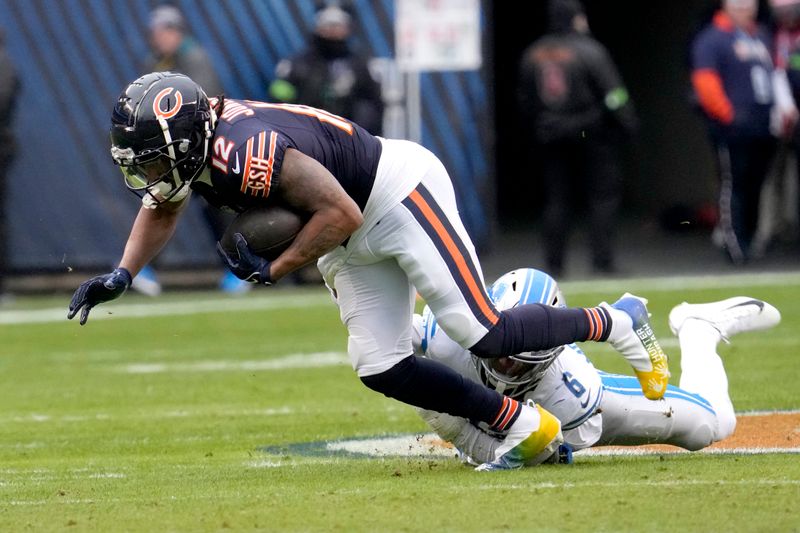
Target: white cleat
{"points": [[729, 317]]}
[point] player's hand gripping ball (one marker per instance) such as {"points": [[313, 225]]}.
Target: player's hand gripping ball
{"points": [[255, 238], [268, 231]]}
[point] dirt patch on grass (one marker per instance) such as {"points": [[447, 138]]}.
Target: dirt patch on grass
{"points": [[753, 431], [772, 430]]}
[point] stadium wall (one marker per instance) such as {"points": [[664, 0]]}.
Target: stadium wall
{"points": [[66, 204]]}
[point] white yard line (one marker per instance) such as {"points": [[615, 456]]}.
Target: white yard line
{"points": [[120, 309], [769, 412], [290, 299], [547, 485], [678, 283], [149, 415], [291, 361]]}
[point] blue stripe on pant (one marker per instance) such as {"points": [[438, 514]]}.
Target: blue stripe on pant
{"points": [[629, 386]]}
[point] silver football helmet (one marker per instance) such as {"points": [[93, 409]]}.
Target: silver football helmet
{"points": [[521, 372]]}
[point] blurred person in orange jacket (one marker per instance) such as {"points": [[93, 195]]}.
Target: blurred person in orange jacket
{"points": [[732, 73]]}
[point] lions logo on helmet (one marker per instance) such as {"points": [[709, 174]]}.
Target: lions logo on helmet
{"points": [[519, 373], [161, 129]]}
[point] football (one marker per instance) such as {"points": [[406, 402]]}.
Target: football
{"points": [[268, 230]]}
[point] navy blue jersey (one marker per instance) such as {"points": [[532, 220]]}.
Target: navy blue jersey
{"points": [[251, 139], [743, 64]]}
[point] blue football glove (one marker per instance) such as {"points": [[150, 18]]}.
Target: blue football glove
{"points": [[97, 290], [246, 266]]}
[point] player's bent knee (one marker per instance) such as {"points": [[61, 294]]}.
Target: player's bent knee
{"points": [[459, 325], [369, 356], [390, 381], [700, 437]]}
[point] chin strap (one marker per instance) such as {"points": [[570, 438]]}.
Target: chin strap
{"points": [[171, 149]]}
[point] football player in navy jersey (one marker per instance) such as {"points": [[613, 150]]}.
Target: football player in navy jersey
{"points": [[382, 225]]}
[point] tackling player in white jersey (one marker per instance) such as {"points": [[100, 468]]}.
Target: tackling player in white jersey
{"points": [[595, 407]]}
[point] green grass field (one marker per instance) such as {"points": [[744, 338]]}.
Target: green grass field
{"points": [[154, 417]]}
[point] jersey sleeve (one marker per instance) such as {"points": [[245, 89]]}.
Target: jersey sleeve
{"points": [[610, 86], [704, 53], [255, 165], [707, 82]]}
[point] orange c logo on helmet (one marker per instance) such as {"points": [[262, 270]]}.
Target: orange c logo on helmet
{"points": [[171, 112]]}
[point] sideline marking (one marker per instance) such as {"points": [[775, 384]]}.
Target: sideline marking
{"points": [[770, 412], [291, 361], [139, 310], [679, 283], [494, 487], [139, 415], [290, 299]]}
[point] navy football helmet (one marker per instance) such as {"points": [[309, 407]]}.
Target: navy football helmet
{"points": [[521, 372], [161, 129]]}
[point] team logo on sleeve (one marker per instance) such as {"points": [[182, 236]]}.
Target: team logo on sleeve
{"points": [[257, 173], [165, 105]]}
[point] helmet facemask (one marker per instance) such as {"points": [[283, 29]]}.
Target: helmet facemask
{"points": [[516, 373], [161, 151], [519, 373], [163, 175]]}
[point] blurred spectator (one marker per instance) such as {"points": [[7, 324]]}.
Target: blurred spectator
{"points": [[572, 95], [786, 14], [330, 75], [9, 90], [732, 79], [174, 49]]}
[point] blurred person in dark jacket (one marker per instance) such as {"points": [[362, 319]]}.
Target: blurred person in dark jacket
{"points": [[786, 51], [9, 90], [329, 74], [732, 72], [579, 109], [175, 50]]}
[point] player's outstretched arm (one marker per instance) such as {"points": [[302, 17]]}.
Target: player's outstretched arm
{"points": [[151, 230]]}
